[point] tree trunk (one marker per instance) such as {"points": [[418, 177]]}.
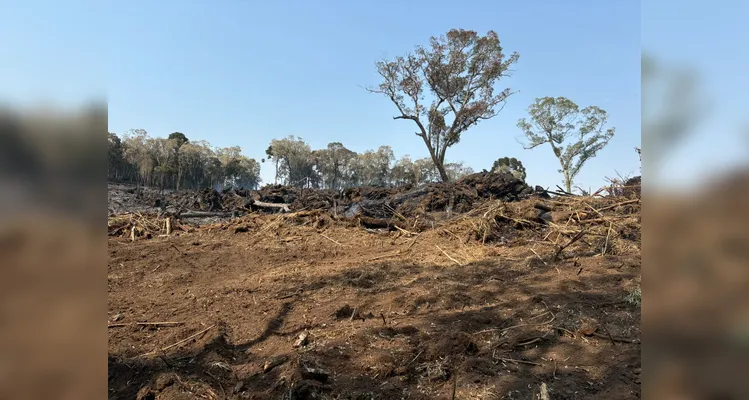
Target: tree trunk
{"points": [[275, 180], [443, 174], [439, 162], [567, 182]]}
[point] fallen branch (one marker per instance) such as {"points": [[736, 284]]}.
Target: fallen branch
{"points": [[539, 257], [413, 242], [326, 237], [553, 317], [512, 360], [146, 324], [185, 340], [448, 256], [606, 245], [573, 240], [619, 204], [275, 206], [404, 231]]}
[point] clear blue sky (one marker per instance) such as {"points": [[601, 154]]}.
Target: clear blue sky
{"points": [[244, 72]]}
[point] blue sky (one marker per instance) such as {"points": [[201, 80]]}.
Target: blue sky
{"points": [[241, 72]]}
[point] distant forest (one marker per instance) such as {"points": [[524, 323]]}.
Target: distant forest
{"points": [[176, 162]]}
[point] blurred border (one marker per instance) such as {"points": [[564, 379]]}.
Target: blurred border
{"points": [[52, 201], [696, 177]]}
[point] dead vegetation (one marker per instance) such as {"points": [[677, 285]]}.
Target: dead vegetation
{"points": [[505, 300]]}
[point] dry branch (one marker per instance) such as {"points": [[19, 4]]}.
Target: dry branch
{"points": [[448, 256], [573, 240], [326, 237], [185, 340], [165, 324]]}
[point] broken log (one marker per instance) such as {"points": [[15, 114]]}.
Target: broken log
{"points": [[281, 207], [375, 223]]}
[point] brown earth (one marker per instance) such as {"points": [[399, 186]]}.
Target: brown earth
{"points": [[475, 303]]}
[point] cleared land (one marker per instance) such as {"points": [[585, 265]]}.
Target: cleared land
{"points": [[491, 298]]}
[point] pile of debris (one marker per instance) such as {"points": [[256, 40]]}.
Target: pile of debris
{"points": [[374, 202]]}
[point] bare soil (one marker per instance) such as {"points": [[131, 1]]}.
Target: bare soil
{"points": [[476, 304]]}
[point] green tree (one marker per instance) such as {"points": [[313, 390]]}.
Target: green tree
{"points": [[294, 159], [116, 159], [511, 165], [575, 135], [457, 170], [460, 71], [333, 164], [179, 138], [376, 165]]}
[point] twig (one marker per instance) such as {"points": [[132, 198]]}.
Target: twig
{"points": [[528, 342], [146, 324], [396, 213], [573, 334], [613, 339], [573, 240], [512, 360], [326, 237], [553, 317], [564, 191], [619, 204], [606, 244], [165, 323], [414, 359], [448, 256], [177, 248], [413, 242], [539, 257], [613, 343], [403, 230], [187, 339]]}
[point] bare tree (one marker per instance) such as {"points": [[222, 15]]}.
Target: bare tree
{"points": [[460, 70], [557, 120]]}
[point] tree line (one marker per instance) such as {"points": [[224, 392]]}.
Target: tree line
{"points": [[176, 162]]}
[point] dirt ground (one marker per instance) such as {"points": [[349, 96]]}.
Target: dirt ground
{"points": [[214, 312]]}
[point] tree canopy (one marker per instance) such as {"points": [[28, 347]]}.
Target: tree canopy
{"points": [[175, 162], [511, 165], [459, 70], [575, 135]]}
